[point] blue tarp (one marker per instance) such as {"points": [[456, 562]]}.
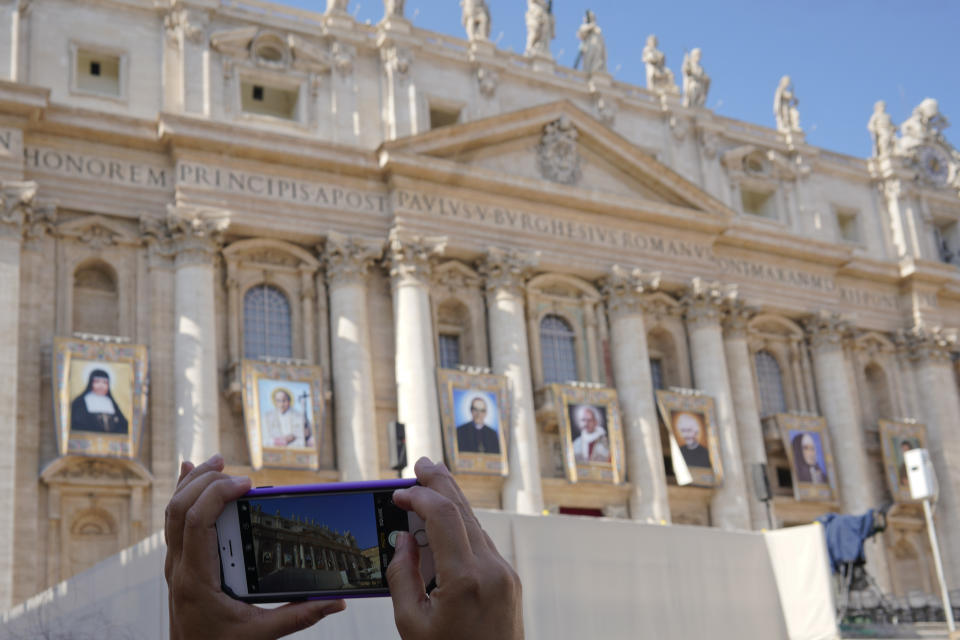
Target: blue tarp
{"points": [[845, 536]]}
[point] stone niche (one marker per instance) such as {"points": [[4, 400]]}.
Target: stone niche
{"points": [[95, 508]]}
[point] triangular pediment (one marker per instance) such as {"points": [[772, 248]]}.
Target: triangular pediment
{"points": [[560, 147]]}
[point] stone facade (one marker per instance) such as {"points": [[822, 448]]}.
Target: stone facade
{"points": [[157, 160]]}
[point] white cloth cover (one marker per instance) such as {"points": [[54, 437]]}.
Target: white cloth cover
{"points": [[582, 578]]}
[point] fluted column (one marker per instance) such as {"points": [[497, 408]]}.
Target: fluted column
{"points": [[17, 198], [704, 306], [836, 399], [505, 273], [739, 368], [196, 236], [416, 361], [631, 368], [929, 351], [348, 261]]}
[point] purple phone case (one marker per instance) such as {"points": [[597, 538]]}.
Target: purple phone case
{"points": [[400, 483]]}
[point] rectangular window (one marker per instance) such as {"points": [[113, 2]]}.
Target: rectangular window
{"points": [[449, 351], [784, 478], [945, 236], [848, 225], [97, 72], [656, 373], [758, 203], [443, 116], [264, 100]]}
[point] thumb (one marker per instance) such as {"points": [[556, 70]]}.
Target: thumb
{"points": [[293, 617], [405, 582]]}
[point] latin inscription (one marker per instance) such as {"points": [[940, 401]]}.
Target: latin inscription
{"points": [[96, 168]]}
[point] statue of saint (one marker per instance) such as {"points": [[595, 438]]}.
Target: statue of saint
{"points": [[476, 19], [924, 126], [659, 78], [340, 6], [882, 130], [593, 48], [393, 8], [696, 82], [540, 27], [785, 107]]}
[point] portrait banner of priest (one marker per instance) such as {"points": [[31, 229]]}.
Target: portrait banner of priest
{"points": [[475, 417], [591, 437], [807, 444], [691, 423], [100, 397], [283, 413], [896, 438]]}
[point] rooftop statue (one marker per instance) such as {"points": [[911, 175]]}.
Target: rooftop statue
{"points": [[785, 107], [593, 48], [540, 27], [696, 82], [393, 8], [924, 126], [659, 78], [882, 131], [476, 19], [922, 142], [337, 5]]}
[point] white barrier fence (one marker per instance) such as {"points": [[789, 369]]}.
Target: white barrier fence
{"points": [[582, 578]]}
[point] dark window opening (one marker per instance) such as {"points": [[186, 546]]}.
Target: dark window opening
{"points": [[94, 68], [784, 478], [576, 511], [257, 92]]}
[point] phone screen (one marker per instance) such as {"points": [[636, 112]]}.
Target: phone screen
{"points": [[319, 542]]}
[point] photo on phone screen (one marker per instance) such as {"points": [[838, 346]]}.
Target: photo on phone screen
{"points": [[318, 543]]}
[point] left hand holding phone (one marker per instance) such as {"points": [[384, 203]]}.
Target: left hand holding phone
{"points": [[198, 606]]}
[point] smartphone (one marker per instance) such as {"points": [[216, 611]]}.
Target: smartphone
{"points": [[280, 544]]}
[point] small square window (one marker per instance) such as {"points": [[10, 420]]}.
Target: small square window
{"points": [[443, 116], [758, 203], [266, 100], [258, 92], [97, 72], [848, 225], [94, 68]]}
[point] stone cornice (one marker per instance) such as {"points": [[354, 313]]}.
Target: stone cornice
{"points": [[504, 269], [706, 302], [783, 243], [737, 318], [410, 256], [348, 258], [927, 343], [192, 235], [625, 289], [827, 331]]}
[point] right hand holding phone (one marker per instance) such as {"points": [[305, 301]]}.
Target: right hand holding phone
{"points": [[478, 593]]}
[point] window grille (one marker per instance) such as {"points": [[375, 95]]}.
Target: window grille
{"points": [[449, 350], [558, 350], [656, 373], [266, 323], [770, 381]]}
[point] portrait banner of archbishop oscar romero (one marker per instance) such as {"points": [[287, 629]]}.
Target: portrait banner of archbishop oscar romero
{"points": [[896, 438], [590, 435], [691, 423], [807, 444], [283, 411], [475, 416], [100, 397]]}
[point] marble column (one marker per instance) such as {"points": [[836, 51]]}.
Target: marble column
{"points": [[836, 398], [505, 273], [624, 291], [17, 199], [410, 260], [929, 351], [704, 307], [195, 235], [745, 406], [347, 261]]}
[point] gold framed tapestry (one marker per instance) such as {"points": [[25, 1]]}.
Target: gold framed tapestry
{"points": [[807, 444], [475, 416], [591, 436], [691, 422], [897, 437]]}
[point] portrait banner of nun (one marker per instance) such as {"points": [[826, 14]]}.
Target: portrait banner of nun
{"points": [[100, 397], [283, 412], [896, 438], [690, 420], [807, 444], [475, 418], [591, 438]]}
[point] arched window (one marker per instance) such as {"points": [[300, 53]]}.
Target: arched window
{"points": [[558, 350], [770, 381], [880, 405], [95, 300], [266, 323]]}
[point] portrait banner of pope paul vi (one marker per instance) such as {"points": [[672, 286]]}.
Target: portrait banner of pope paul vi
{"points": [[475, 415], [691, 423], [896, 438], [282, 410], [808, 449], [590, 435], [100, 397]]}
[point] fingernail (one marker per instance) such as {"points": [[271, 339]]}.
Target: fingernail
{"points": [[402, 541], [215, 458], [241, 480]]}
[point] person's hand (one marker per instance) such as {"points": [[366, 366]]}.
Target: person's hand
{"points": [[478, 593], [198, 606]]}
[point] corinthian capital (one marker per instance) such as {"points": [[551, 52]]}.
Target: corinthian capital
{"points": [[506, 269], [705, 302], [193, 235], [411, 256], [927, 343], [348, 258], [16, 204], [827, 330], [737, 317], [625, 288]]}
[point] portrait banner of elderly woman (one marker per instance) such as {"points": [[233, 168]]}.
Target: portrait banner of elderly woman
{"points": [[590, 434], [282, 409], [896, 438], [100, 398], [690, 421], [807, 444], [475, 418]]}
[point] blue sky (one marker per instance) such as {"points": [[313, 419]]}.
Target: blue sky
{"points": [[353, 512], [843, 55]]}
